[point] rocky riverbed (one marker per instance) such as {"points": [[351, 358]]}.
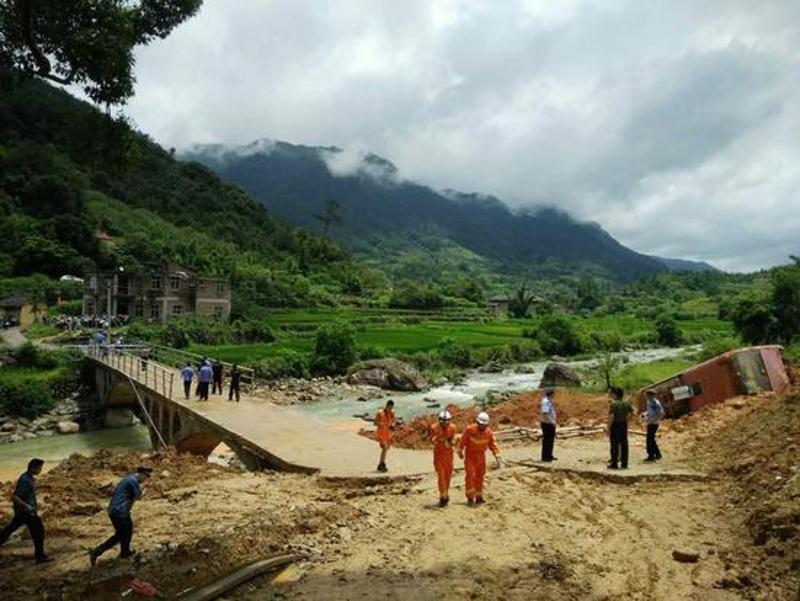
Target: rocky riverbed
{"points": [[64, 418]]}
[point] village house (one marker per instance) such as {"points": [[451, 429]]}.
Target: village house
{"points": [[156, 295]]}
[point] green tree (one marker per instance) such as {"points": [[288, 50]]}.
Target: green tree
{"points": [[557, 336], [335, 349], [520, 302], [88, 42], [667, 331], [785, 301]]}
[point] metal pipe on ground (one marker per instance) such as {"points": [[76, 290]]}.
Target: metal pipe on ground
{"points": [[238, 576]]}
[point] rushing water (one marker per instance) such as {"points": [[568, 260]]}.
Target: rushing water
{"points": [[476, 384]]}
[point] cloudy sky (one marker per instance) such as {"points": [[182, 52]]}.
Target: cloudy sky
{"points": [[674, 124]]}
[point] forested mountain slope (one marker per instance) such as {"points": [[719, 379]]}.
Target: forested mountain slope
{"points": [[384, 217]]}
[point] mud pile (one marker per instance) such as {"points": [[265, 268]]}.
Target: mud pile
{"points": [[753, 443], [573, 407]]}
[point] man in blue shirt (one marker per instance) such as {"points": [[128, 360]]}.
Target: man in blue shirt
{"points": [[205, 379], [653, 414], [547, 421], [25, 510], [127, 491], [187, 374]]}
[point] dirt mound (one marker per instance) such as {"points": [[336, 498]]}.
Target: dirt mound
{"points": [[573, 407], [753, 443]]}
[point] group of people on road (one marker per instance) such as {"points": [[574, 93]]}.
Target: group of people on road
{"points": [[210, 374], [472, 445], [619, 413], [478, 438], [126, 492]]}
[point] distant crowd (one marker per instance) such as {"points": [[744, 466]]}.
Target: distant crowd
{"points": [[72, 322]]}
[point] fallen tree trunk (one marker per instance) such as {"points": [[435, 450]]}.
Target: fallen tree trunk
{"points": [[237, 577]]}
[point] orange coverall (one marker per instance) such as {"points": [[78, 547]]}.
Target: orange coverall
{"points": [[384, 420], [444, 439], [474, 443]]}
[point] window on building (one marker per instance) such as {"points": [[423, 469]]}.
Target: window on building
{"points": [[177, 309], [201, 283], [138, 310], [154, 312], [174, 282], [155, 281], [219, 286], [218, 311]]}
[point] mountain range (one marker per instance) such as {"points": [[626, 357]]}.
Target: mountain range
{"points": [[414, 231]]}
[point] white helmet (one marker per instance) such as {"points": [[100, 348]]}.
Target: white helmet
{"points": [[483, 418], [444, 416]]}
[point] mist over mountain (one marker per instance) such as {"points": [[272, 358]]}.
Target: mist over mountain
{"points": [[386, 217]]}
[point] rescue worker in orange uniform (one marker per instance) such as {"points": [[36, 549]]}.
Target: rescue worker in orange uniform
{"points": [[475, 440], [385, 421], [443, 436]]}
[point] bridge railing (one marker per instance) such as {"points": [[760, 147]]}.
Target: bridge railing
{"points": [[178, 358], [152, 375]]}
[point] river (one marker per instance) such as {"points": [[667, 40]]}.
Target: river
{"points": [[14, 456]]}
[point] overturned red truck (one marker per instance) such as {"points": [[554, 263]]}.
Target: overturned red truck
{"points": [[741, 371]]}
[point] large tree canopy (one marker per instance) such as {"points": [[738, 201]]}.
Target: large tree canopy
{"points": [[87, 42]]}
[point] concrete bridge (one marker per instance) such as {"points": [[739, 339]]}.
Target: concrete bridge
{"points": [[263, 435]]}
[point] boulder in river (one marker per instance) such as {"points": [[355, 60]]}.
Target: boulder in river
{"points": [[558, 374], [389, 374], [67, 427]]}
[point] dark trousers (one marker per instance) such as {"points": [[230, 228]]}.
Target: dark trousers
{"points": [[204, 391], [35, 527], [217, 387], [619, 443], [548, 440], [187, 389], [123, 533], [233, 390], [653, 452]]}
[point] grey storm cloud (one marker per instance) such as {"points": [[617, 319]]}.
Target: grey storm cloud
{"points": [[674, 124]]}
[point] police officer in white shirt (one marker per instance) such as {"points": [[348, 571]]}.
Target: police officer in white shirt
{"points": [[653, 414], [547, 421]]}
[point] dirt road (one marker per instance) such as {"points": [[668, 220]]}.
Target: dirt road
{"points": [[541, 535]]}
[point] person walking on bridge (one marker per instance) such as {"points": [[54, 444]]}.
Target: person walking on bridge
{"points": [[236, 377], [547, 421], [204, 378], [443, 436], [25, 510], [653, 414], [618, 414], [126, 493], [385, 422], [187, 375], [475, 441], [217, 370]]}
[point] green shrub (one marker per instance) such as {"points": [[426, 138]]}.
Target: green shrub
{"points": [[29, 397], [287, 364], [667, 331], [29, 356], [557, 336], [454, 353], [335, 349], [525, 351], [252, 331]]}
